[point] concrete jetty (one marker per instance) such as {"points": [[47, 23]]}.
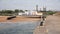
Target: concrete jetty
{"points": [[52, 26]]}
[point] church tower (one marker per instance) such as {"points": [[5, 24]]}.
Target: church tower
{"points": [[44, 8], [37, 8]]}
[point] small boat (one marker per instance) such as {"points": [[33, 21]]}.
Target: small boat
{"points": [[9, 18]]}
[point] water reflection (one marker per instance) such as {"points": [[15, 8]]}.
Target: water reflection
{"points": [[18, 28]]}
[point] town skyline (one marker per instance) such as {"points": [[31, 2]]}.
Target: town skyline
{"points": [[29, 4]]}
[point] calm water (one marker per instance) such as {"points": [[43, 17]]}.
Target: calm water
{"points": [[18, 28]]}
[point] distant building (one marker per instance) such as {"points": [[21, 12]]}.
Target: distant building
{"points": [[20, 13], [24, 13], [36, 7], [44, 8], [27, 13], [40, 9], [37, 13]]}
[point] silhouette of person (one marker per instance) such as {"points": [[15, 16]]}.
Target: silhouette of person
{"points": [[41, 24]]}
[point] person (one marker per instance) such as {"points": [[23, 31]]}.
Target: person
{"points": [[41, 24], [43, 18]]}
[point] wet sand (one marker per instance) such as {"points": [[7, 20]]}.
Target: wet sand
{"points": [[17, 19]]}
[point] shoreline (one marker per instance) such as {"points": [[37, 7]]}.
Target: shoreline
{"points": [[17, 19]]}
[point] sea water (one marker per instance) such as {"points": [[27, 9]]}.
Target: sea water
{"points": [[26, 27]]}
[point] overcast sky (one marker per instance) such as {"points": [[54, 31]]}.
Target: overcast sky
{"points": [[29, 4]]}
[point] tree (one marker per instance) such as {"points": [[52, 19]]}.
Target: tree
{"points": [[50, 12], [8, 11], [16, 11], [22, 11], [26, 10]]}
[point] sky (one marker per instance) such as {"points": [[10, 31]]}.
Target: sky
{"points": [[29, 4]]}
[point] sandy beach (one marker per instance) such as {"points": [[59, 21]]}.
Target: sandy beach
{"points": [[17, 19]]}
